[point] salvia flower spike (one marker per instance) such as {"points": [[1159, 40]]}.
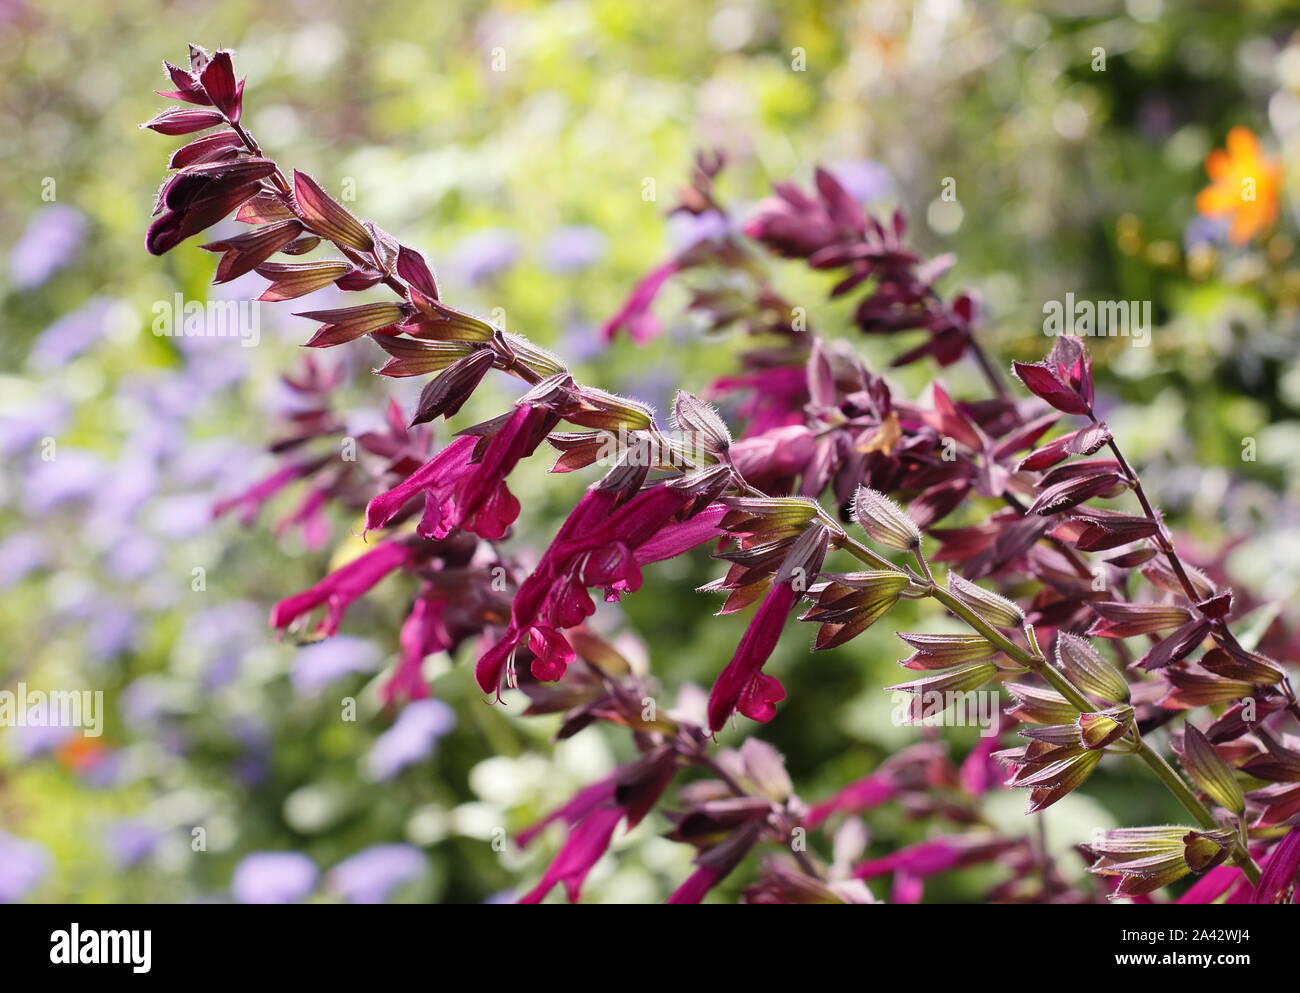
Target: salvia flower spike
{"points": [[812, 423]]}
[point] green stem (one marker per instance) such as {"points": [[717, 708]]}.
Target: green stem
{"points": [[1013, 651], [1192, 805], [1157, 763], [864, 554]]}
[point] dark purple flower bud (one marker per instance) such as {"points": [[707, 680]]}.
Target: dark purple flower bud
{"points": [[199, 213], [245, 252], [1099, 530], [412, 268], [1210, 772], [327, 217], [294, 279], [1120, 619], [1064, 379], [349, 323], [1073, 490], [178, 120], [447, 393], [187, 87], [211, 147], [218, 80]]}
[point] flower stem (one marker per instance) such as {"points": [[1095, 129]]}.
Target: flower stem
{"points": [[1067, 689], [1220, 627], [1192, 805], [1162, 539], [1037, 663], [864, 554], [987, 367]]}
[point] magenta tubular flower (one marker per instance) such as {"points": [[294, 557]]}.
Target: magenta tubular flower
{"points": [[423, 632], [538, 588], [586, 843], [589, 513], [435, 479], [675, 539], [717, 861], [595, 812], [596, 546], [863, 795], [309, 516], [743, 685], [251, 500], [776, 397], [781, 453], [340, 588], [1280, 870], [929, 858], [583, 803], [459, 492], [697, 885], [483, 491], [636, 315], [1213, 885]]}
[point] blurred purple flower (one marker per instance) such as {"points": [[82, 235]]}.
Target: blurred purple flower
{"points": [[133, 558], [169, 398], [1201, 230], [273, 877], [254, 763], [221, 670], [51, 239], [34, 740], [213, 460], [20, 555], [130, 842], [485, 254], [686, 230], [186, 515], [319, 664], [153, 441], [71, 476], [124, 491], [580, 339], [231, 626], [863, 179], [23, 864], [106, 770], [572, 248], [1156, 117], [70, 335], [371, 875], [111, 632], [46, 418], [145, 701], [411, 738]]}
